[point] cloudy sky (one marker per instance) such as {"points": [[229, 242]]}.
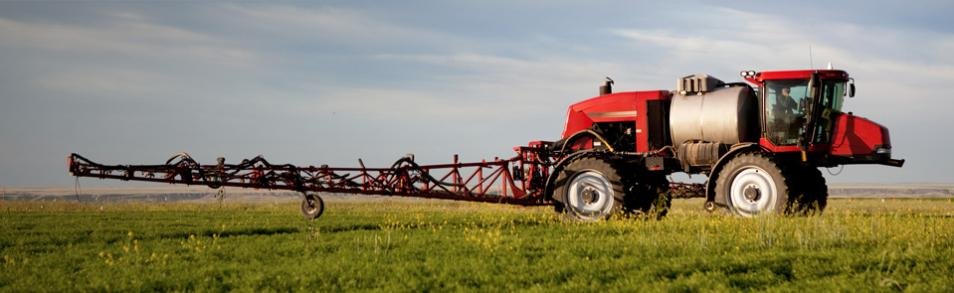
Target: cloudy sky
{"points": [[329, 82]]}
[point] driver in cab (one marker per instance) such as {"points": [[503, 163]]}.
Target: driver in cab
{"points": [[784, 105]]}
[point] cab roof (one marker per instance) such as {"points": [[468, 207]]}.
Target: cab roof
{"points": [[760, 77]]}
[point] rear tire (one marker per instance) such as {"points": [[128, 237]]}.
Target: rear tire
{"points": [[648, 196], [754, 184], [590, 189]]}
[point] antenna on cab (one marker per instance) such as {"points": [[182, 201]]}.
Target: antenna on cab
{"points": [[811, 58]]}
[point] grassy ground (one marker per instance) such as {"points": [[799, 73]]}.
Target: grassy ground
{"points": [[406, 245]]}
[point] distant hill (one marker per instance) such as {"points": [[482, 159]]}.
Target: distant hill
{"points": [[142, 194], [893, 191]]}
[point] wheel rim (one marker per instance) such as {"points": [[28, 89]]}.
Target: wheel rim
{"points": [[311, 205], [590, 195], [753, 192]]}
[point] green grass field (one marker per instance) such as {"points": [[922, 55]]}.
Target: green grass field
{"points": [[411, 245]]}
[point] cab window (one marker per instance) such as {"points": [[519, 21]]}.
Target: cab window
{"points": [[785, 102]]}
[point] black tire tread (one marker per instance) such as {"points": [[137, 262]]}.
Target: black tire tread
{"points": [[648, 193], [785, 181], [812, 194], [305, 206], [602, 162]]}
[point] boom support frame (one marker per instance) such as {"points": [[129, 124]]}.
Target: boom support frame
{"points": [[518, 180]]}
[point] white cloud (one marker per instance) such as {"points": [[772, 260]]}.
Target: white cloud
{"points": [[130, 36], [518, 75], [549, 67], [394, 104], [105, 82], [331, 24], [124, 57]]}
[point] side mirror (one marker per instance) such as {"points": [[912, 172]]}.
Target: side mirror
{"points": [[851, 88]]}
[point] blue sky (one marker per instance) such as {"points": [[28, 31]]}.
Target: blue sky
{"points": [[329, 82]]}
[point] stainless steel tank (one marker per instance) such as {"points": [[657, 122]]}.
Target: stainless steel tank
{"points": [[727, 115]]}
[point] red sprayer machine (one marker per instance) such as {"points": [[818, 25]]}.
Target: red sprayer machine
{"points": [[760, 144]]}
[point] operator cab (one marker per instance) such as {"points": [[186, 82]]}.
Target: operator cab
{"points": [[802, 112], [790, 98]]}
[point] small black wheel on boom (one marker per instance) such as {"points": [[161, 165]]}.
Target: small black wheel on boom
{"points": [[590, 188], [312, 206]]}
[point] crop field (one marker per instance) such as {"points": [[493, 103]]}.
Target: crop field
{"points": [[429, 245]]}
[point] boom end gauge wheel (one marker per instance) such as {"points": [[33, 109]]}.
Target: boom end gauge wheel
{"points": [[312, 206]]}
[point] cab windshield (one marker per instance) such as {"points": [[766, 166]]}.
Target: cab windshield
{"points": [[833, 94], [832, 98], [788, 107]]}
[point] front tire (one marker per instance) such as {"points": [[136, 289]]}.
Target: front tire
{"points": [[754, 184], [590, 189], [814, 195]]}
